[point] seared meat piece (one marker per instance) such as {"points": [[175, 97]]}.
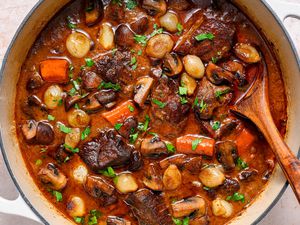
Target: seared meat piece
{"points": [[248, 174], [107, 149], [59, 154], [206, 128], [170, 111], [106, 96], [114, 220], [90, 80], [148, 208], [136, 161], [229, 186], [115, 13], [210, 97], [199, 220], [129, 125], [112, 68], [226, 154], [97, 187], [140, 25], [179, 4], [218, 47]]}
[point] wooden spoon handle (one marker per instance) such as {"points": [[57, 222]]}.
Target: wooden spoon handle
{"points": [[287, 160]]}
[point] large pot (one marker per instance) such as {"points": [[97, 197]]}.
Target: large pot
{"points": [[257, 10]]}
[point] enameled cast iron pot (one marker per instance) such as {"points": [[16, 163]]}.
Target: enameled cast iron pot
{"points": [[39, 208]]}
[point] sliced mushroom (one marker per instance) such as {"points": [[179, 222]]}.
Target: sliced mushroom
{"points": [[90, 80], [177, 160], [218, 75], [247, 53], [193, 165], [71, 101], [140, 25], [94, 12], [136, 161], [226, 154], [35, 81], [75, 206], [106, 97], [44, 133], [92, 104], [229, 187], [159, 45], [97, 187], [211, 177], [29, 130], [114, 220], [187, 206], [248, 174], [152, 178], [52, 176], [222, 208], [124, 36], [129, 125], [153, 147], [142, 89], [172, 178], [172, 64], [155, 7]]}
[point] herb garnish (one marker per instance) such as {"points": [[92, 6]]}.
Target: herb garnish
{"points": [[218, 94], [236, 197], [201, 37], [179, 28], [144, 126], [216, 125], [195, 143], [74, 150], [85, 133], [159, 103], [50, 117], [109, 85], [118, 126], [241, 163], [131, 4], [65, 129], [170, 147], [108, 172]]}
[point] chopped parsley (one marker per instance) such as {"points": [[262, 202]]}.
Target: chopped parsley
{"points": [[170, 147], [108, 172], [236, 197], [109, 85], [74, 150], [179, 28], [118, 2], [219, 94], [131, 108], [65, 129], [183, 100], [43, 150], [71, 24], [131, 4], [89, 62], [38, 162], [50, 117], [79, 219], [153, 133], [71, 70], [118, 126], [144, 126], [159, 103], [216, 125], [140, 52], [195, 143], [201, 37], [133, 137], [214, 59], [85, 133], [177, 221], [94, 215], [140, 39], [133, 63], [72, 92], [202, 106], [114, 50], [75, 85], [156, 30], [76, 106], [196, 102], [241, 163], [60, 102], [182, 90], [206, 188], [57, 195]]}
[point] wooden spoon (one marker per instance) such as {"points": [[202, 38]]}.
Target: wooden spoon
{"points": [[254, 105]]}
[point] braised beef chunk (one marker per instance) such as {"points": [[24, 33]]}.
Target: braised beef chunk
{"points": [[209, 98], [229, 186], [106, 96], [140, 25], [179, 4], [136, 161], [128, 127], [59, 154], [148, 208], [114, 220], [217, 47], [226, 154], [90, 80], [107, 149], [97, 187], [166, 104], [112, 68]]}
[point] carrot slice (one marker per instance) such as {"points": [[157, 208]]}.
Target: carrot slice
{"points": [[244, 141], [120, 113], [55, 70], [195, 144]]}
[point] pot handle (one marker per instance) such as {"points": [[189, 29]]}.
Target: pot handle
{"points": [[285, 9], [17, 207]]}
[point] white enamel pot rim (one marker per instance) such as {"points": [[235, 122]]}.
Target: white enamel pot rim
{"points": [[39, 209]]}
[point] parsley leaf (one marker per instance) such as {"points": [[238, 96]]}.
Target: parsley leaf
{"points": [[89, 62], [236, 197], [65, 129], [57, 195], [182, 90], [195, 143], [170, 147], [85, 133], [144, 126], [196, 102], [201, 37], [131, 108], [186, 221], [133, 63], [202, 106], [183, 100], [50, 117], [72, 92], [108, 172], [179, 28], [79, 219], [131, 4], [214, 59], [74, 150], [38, 162], [177, 221], [109, 85], [70, 23], [94, 215], [216, 125], [140, 52], [118, 126], [156, 30], [140, 39], [241, 163], [218, 94], [133, 137], [159, 103], [118, 2]]}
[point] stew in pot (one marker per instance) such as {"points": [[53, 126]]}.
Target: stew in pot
{"points": [[123, 112]]}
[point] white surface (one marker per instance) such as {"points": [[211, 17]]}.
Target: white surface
{"points": [[286, 211]]}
